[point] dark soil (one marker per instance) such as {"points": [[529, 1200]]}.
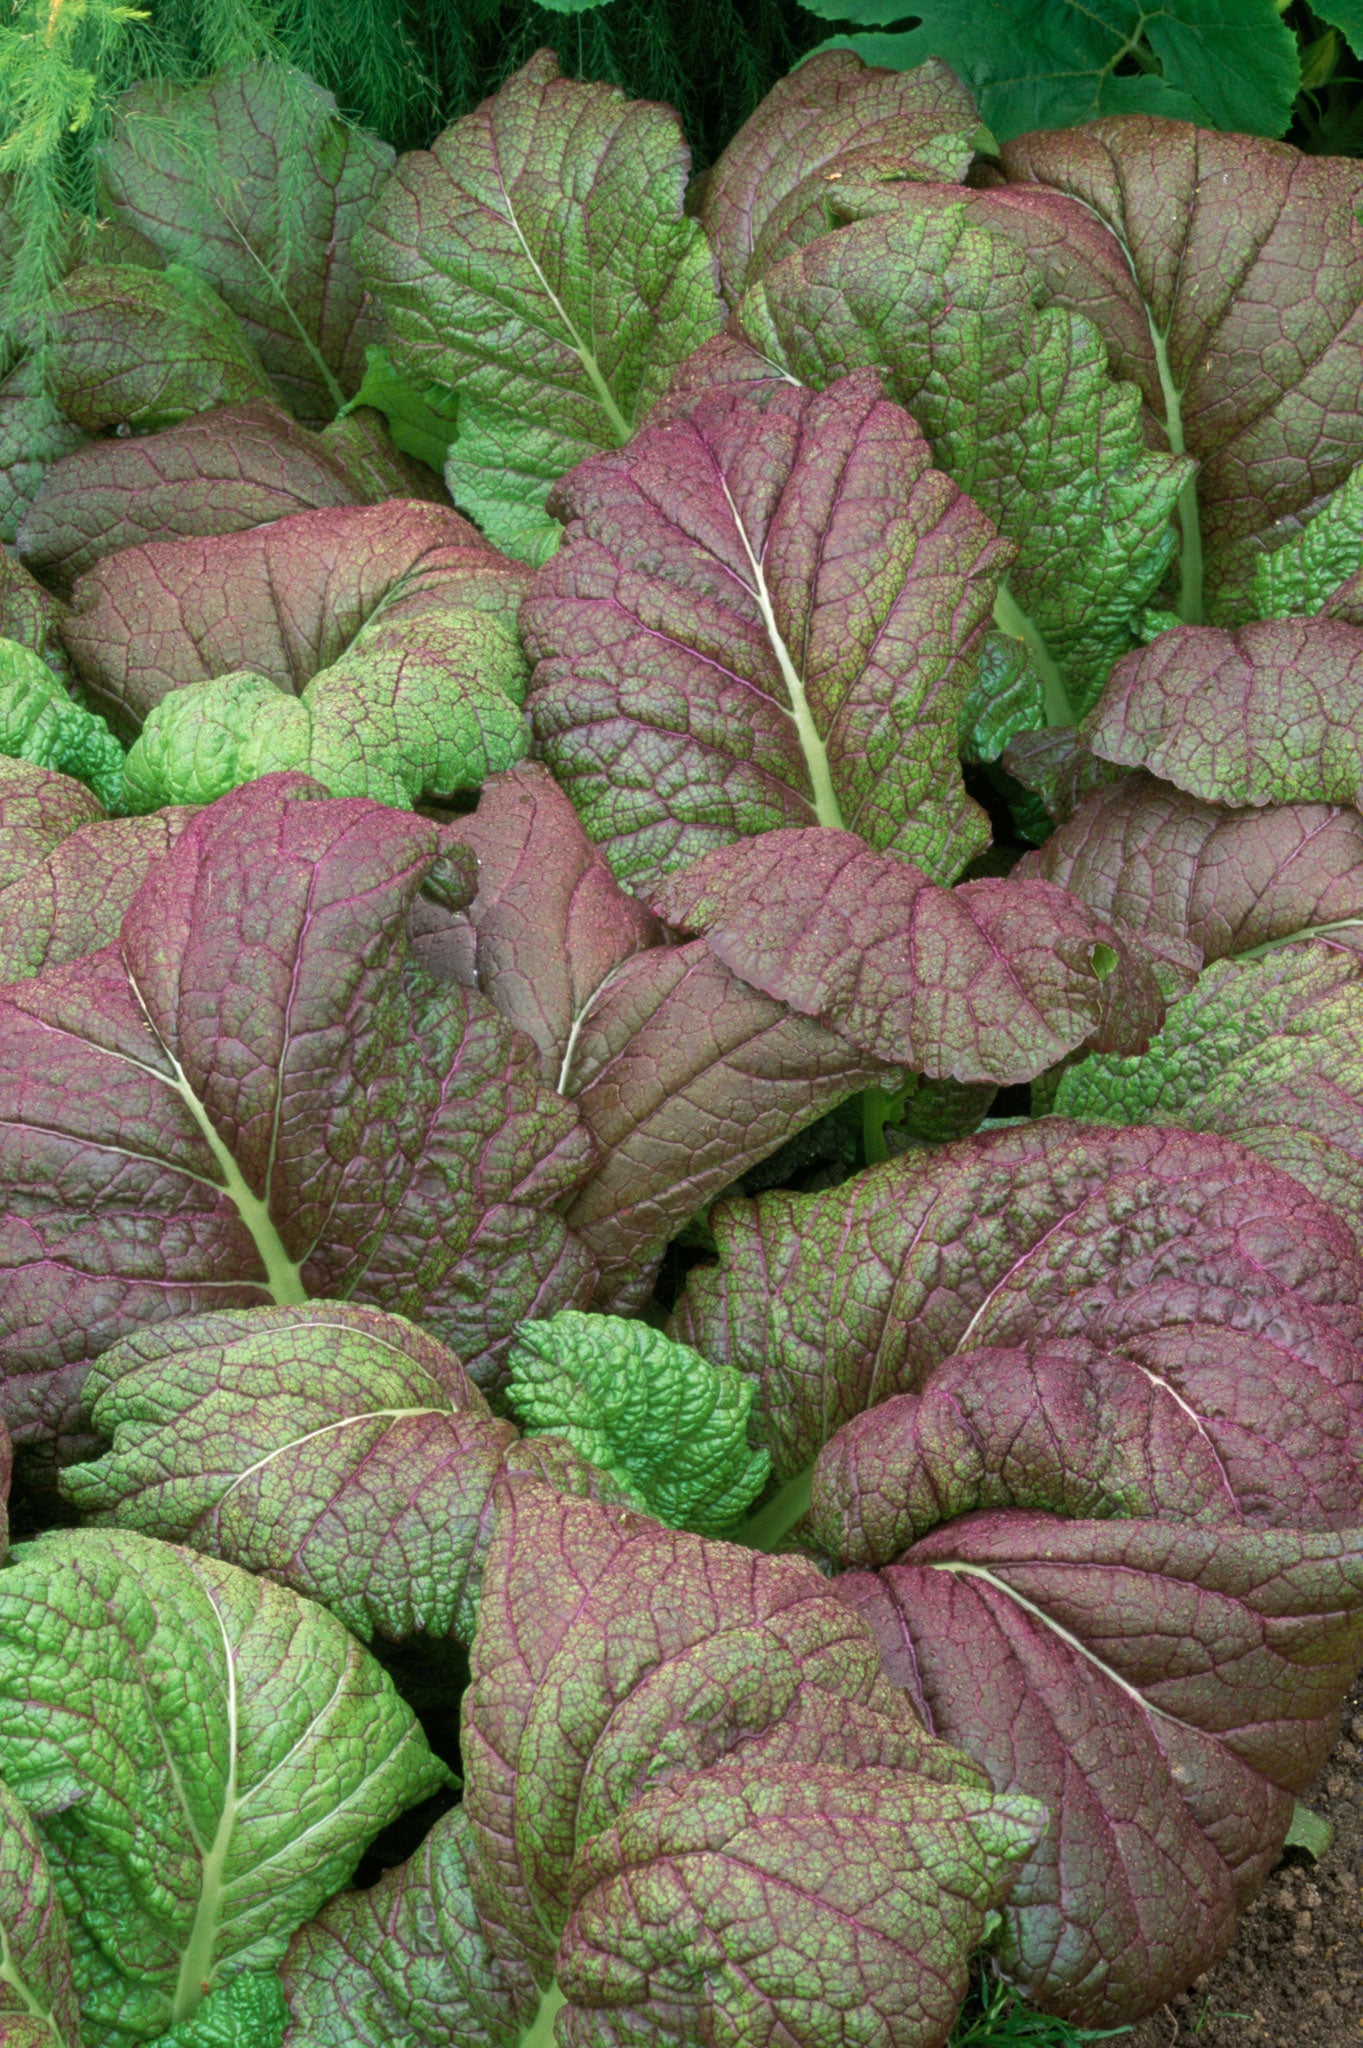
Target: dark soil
{"points": [[1294, 1978]]}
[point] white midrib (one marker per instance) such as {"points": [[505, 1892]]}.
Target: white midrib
{"points": [[977, 1571], [620, 426], [328, 1429], [33, 2005], [826, 808], [196, 1961], [283, 1275]]}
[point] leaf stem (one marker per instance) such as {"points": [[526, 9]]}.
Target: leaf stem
{"points": [[1011, 619], [764, 1530], [541, 2033]]}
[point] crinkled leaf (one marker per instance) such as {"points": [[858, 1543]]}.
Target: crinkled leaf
{"points": [[405, 1964], [763, 614], [671, 1427], [73, 901], [614, 1655], [1016, 402], [800, 1903], [832, 118], [549, 924], [538, 259], [38, 2007], [246, 2012], [40, 723], [991, 981], [33, 435], [30, 614], [207, 1756], [234, 467], [427, 709], [38, 810], [686, 1076], [340, 1450], [252, 180], [1200, 1425], [1266, 1051], [1149, 856], [245, 1100], [1164, 1688], [1226, 275], [1267, 714], [1006, 697], [140, 349], [835, 1301], [1304, 572], [291, 598]]}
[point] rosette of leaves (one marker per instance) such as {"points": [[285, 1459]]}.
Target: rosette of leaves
{"points": [[1075, 1413]]}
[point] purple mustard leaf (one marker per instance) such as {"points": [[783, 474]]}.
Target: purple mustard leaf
{"points": [[1056, 766], [247, 1100], [1146, 854], [836, 1301], [614, 1655], [549, 925], [992, 981], [30, 614], [763, 613], [285, 599], [1165, 1688], [686, 1076], [805, 1903], [73, 902], [406, 1962], [1225, 273], [38, 810], [234, 467], [831, 120], [1266, 714], [338, 1449], [1195, 1423]]}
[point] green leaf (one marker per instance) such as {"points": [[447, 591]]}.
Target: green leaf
{"points": [[407, 1962], [147, 349], [654, 1414], [1345, 15], [1300, 575], [1017, 405], [206, 1755], [422, 417], [1224, 63], [1268, 1051], [252, 180], [247, 2012], [1007, 696], [41, 724], [538, 258], [1310, 1831]]}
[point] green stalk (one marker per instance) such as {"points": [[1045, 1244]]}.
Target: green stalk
{"points": [[541, 2034], [764, 1530], [1011, 619]]}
